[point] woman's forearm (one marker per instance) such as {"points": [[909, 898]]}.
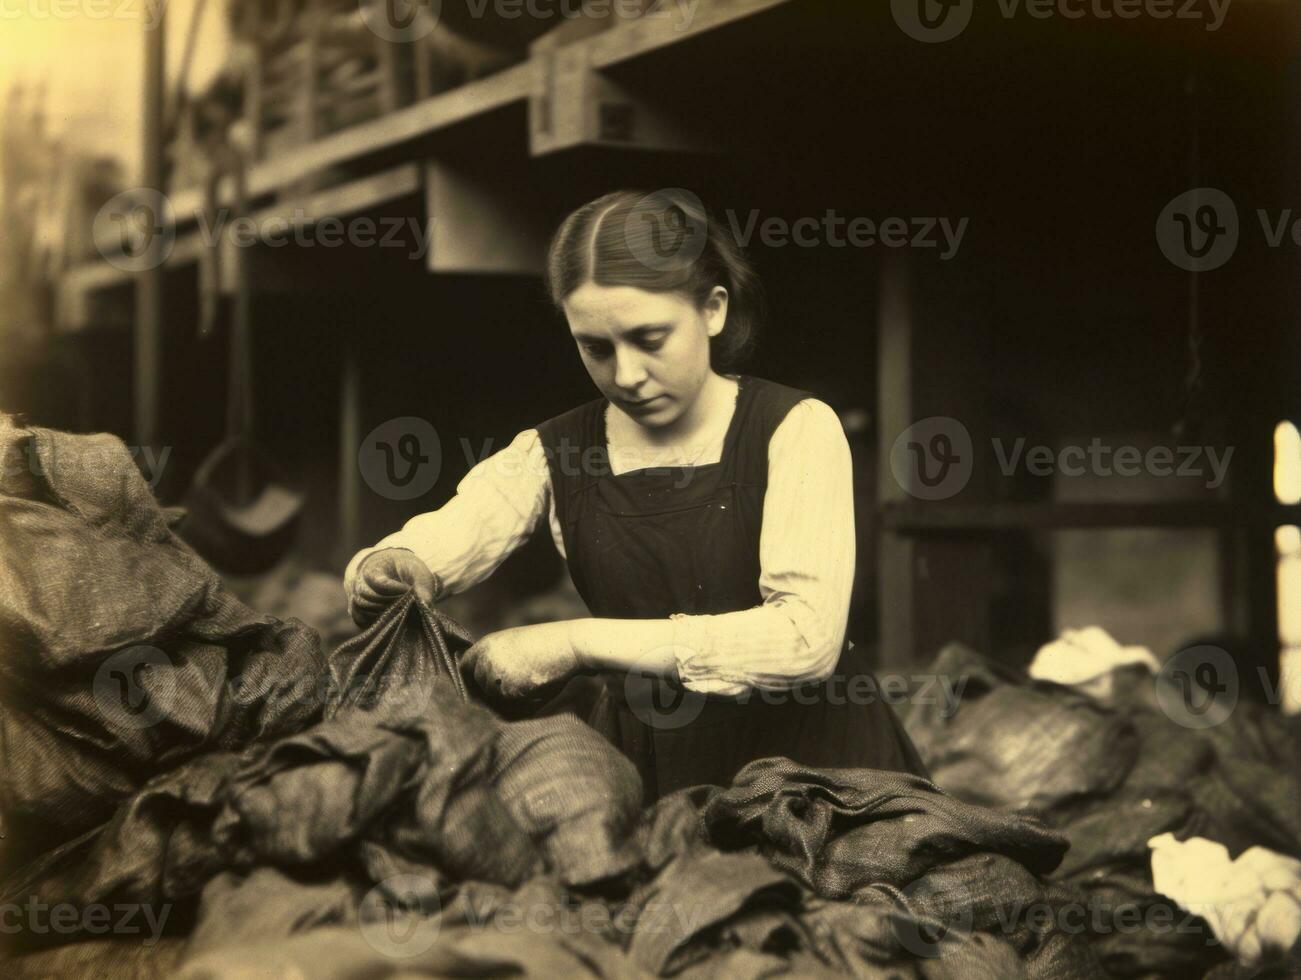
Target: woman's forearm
{"points": [[646, 645]]}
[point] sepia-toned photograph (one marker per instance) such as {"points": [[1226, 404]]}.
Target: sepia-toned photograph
{"points": [[631, 489]]}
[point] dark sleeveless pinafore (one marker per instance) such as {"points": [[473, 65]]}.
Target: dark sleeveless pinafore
{"points": [[685, 539]]}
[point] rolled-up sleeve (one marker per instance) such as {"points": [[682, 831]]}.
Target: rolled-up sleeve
{"points": [[494, 511], [807, 553]]}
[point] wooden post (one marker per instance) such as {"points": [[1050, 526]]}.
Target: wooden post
{"points": [[149, 282], [895, 583], [349, 446]]}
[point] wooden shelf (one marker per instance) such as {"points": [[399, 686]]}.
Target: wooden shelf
{"points": [[354, 197], [513, 85], [376, 141]]}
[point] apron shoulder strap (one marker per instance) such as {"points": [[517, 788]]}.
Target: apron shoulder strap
{"points": [[571, 444], [766, 405]]}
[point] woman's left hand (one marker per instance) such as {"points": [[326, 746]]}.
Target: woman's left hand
{"points": [[522, 662]]}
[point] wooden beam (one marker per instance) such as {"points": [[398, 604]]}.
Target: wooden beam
{"points": [[350, 416], [483, 222], [386, 132], [514, 85], [660, 29], [148, 340], [625, 41], [575, 104]]}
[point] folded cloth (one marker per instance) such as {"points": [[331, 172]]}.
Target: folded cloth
{"points": [[1087, 659], [1253, 903], [838, 830]]}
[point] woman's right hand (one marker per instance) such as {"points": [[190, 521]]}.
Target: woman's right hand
{"points": [[385, 576]]}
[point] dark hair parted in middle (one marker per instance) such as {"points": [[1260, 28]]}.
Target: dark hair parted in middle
{"points": [[662, 242]]}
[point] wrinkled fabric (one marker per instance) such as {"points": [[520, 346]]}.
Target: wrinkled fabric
{"points": [[103, 959], [691, 897], [335, 953], [403, 654], [841, 829], [89, 572], [573, 793], [671, 827], [407, 777], [1017, 745], [898, 844], [267, 905], [471, 929], [363, 816], [1235, 782]]}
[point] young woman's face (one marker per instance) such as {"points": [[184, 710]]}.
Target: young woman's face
{"points": [[647, 352]]}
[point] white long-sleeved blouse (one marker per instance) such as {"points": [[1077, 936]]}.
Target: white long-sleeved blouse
{"points": [[806, 549]]}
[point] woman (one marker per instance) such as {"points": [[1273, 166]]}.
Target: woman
{"points": [[706, 518]]}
